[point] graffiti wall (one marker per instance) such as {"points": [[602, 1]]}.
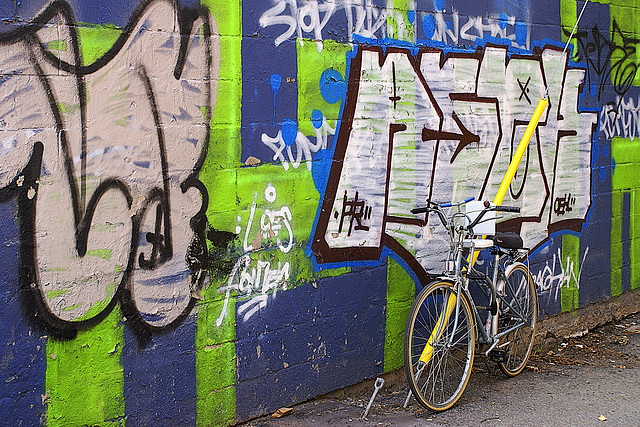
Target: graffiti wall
{"points": [[205, 206]]}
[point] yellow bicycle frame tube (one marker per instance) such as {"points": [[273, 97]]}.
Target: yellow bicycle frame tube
{"points": [[427, 352]]}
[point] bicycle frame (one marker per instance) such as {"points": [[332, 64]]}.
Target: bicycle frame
{"points": [[460, 273]]}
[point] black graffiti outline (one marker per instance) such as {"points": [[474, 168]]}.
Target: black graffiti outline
{"points": [[357, 211], [34, 299], [604, 50]]}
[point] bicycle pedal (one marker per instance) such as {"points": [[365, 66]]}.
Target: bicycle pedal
{"points": [[498, 356]]}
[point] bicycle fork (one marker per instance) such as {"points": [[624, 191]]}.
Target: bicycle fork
{"points": [[443, 319], [453, 302]]}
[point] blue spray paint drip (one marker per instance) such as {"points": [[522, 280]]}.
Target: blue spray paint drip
{"points": [[613, 166], [439, 4], [593, 89], [428, 26], [504, 19], [521, 33], [322, 159], [605, 150], [321, 169], [331, 85], [603, 173], [276, 81], [411, 16], [289, 131], [317, 119], [595, 149]]}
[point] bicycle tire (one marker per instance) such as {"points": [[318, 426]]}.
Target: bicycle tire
{"points": [[518, 301], [438, 383]]}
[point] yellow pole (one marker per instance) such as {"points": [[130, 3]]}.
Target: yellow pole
{"points": [[524, 143], [515, 162]]}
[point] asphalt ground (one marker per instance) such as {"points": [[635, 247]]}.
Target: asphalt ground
{"points": [[587, 380]]}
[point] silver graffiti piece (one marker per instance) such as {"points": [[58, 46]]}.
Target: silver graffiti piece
{"points": [[429, 124], [105, 157]]}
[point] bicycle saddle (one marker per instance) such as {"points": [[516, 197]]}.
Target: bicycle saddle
{"points": [[508, 240]]}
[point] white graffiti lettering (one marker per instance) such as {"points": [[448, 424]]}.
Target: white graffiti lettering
{"points": [[250, 277], [552, 278], [257, 279], [363, 18], [621, 119], [309, 19], [464, 110], [476, 27], [305, 148]]}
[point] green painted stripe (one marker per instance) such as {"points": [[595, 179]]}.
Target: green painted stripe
{"points": [[225, 142], [215, 361], [96, 40], [626, 16], [571, 265], [625, 178], [568, 18], [84, 377], [398, 9], [400, 296], [615, 253], [215, 346]]}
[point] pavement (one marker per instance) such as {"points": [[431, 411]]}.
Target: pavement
{"points": [[587, 380]]}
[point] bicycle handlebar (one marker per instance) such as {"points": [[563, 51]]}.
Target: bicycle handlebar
{"points": [[420, 210], [515, 209], [438, 209]]}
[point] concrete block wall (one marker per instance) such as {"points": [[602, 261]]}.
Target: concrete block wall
{"points": [[204, 207]]}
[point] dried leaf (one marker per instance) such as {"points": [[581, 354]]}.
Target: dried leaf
{"points": [[282, 412], [602, 418]]}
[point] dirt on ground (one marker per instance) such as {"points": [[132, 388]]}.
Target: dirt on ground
{"points": [[616, 344]]}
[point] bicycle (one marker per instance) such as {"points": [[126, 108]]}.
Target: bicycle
{"points": [[443, 326]]}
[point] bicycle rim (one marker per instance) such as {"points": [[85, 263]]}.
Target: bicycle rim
{"points": [[438, 360], [518, 302]]}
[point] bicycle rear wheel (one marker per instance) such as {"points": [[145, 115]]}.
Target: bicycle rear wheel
{"points": [[437, 357], [519, 306]]}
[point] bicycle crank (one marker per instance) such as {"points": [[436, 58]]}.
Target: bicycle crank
{"points": [[498, 356]]}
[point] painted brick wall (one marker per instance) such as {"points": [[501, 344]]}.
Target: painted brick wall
{"points": [[204, 207]]}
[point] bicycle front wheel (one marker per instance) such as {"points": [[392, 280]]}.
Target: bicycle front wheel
{"points": [[518, 313], [438, 351]]}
